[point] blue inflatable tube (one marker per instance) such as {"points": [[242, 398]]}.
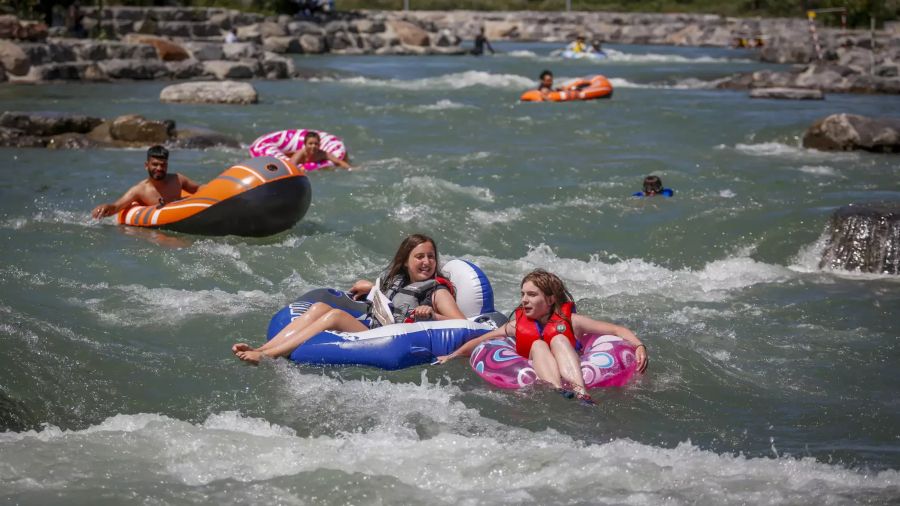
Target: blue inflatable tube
{"points": [[400, 345]]}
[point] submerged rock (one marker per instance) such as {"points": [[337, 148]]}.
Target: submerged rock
{"points": [[864, 238], [787, 93], [845, 132], [202, 138]]}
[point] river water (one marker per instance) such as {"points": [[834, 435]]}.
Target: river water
{"points": [[770, 381]]}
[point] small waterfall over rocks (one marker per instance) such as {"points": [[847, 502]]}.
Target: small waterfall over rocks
{"points": [[865, 238]]}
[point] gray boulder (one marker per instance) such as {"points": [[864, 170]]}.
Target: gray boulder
{"points": [[787, 93], [13, 59], [203, 51], [201, 138], [283, 44], [187, 69], [845, 132], [14, 138], [137, 129], [241, 50], [210, 92], [313, 44], [225, 69], [410, 34], [134, 69]]}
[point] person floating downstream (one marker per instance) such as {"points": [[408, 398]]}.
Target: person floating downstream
{"points": [[547, 329], [545, 85], [412, 282], [312, 153], [578, 46], [480, 42], [653, 186], [160, 187]]}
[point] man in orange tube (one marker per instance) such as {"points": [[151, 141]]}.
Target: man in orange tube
{"points": [[159, 187]]}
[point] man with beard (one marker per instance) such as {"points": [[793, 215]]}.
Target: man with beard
{"points": [[159, 187]]}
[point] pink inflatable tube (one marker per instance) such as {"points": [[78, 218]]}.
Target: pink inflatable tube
{"points": [[606, 361], [279, 144]]}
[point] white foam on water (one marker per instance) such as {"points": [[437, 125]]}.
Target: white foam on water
{"points": [[819, 170], [619, 56], [495, 217], [684, 84], [15, 223], [126, 305], [441, 105], [521, 53], [455, 81], [502, 466], [443, 187], [595, 278], [727, 194], [781, 150]]}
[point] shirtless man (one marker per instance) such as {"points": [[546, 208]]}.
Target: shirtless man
{"points": [[158, 188], [312, 154], [546, 84]]}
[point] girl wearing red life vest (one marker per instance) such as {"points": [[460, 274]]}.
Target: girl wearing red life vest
{"points": [[546, 329], [416, 259]]}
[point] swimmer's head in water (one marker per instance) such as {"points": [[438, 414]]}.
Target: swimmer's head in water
{"points": [[652, 185]]}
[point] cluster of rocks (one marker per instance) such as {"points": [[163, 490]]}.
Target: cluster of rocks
{"points": [[55, 130], [183, 43]]}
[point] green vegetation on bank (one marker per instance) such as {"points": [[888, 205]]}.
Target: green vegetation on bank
{"points": [[859, 11]]}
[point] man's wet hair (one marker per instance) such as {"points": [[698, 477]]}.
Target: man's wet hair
{"points": [[312, 134], [546, 73], [652, 184], [158, 152]]}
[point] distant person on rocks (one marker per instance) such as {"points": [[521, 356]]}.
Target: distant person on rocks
{"points": [[74, 21], [160, 187], [231, 36], [653, 186], [480, 42]]}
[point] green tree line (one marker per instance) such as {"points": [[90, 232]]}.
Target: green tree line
{"points": [[858, 11]]}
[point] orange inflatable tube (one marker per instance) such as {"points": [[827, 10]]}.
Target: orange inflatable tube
{"points": [[585, 88], [255, 198]]}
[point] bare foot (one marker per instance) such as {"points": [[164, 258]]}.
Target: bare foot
{"points": [[240, 347], [251, 356]]}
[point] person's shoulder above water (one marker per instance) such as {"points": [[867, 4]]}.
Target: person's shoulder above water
{"points": [[653, 186]]}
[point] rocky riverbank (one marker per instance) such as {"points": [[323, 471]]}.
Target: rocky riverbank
{"points": [[182, 43], [187, 43]]}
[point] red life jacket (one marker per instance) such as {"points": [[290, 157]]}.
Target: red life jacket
{"points": [[528, 331]]}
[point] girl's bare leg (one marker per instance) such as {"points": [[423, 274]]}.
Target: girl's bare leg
{"points": [[334, 319], [545, 363], [568, 361], [312, 314]]}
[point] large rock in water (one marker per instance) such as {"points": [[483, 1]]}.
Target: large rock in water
{"points": [[864, 238], [13, 59], [845, 132], [210, 92], [48, 123], [136, 128]]}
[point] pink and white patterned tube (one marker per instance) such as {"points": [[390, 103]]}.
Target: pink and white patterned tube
{"points": [[606, 361], [279, 144]]}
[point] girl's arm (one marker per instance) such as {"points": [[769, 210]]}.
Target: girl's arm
{"points": [[584, 325], [466, 349], [337, 161], [445, 307], [360, 289]]}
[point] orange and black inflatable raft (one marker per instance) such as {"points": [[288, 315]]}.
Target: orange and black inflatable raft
{"points": [[255, 198], [585, 88]]}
